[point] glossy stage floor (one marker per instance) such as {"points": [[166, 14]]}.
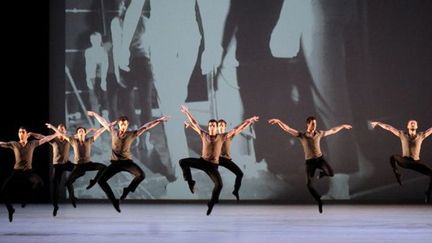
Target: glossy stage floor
{"points": [[98, 222]]}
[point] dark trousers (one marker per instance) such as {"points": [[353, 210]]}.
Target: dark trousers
{"points": [[28, 176], [231, 166], [311, 166], [115, 167], [410, 163], [209, 168], [79, 170], [59, 169]]}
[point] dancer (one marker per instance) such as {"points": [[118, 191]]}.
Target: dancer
{"points": [[310, 141], [82, 155], [60, 159], [23, 150], [225, 159], [208, 162], [411, 145], [121, 158]]}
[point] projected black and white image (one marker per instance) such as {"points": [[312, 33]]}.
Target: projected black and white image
{"points": [[232, 60]]}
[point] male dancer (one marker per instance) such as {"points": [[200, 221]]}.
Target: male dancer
{"points": [[82, 155], [60, 159], [310, 141], [121, 158], [211, 151], [23, 150], [411, 144], [225, 159]]}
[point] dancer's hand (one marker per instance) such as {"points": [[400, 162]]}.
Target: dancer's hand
{"points": [[274, 121], [90, 113], [184, 109], [253, 119], [49, 125], [163, 119], [373, 124], [347, 126]]}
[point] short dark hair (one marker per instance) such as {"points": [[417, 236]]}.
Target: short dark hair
{"points": [[309, 119], [213, 120], [23, 127], [123, 118], [222, 121], [78, 128]]}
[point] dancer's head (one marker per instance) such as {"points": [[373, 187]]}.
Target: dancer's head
{"points": [[311, 123], [22, 133], [412, 125], [212, 127], [81, 133], [61, 127], [123, 123], [221, 125]]}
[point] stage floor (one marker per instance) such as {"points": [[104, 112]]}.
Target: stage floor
{"points": [[228, 223]]}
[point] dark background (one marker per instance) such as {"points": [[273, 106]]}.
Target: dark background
{"points": [[399, 44]]}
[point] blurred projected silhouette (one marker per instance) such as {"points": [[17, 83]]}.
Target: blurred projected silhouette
{"points": [[132, 68], [174, 39], [174, 53], [222, 84], [319, 27], [96, 68]]}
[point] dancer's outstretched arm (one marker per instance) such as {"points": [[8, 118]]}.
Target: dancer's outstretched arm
{"points": [[98, 132], [335, 130], [57, 132], [238, 129], [101, 120], [150, 125], [192, 121], [428, 132], [385, 127], [284, 127]]}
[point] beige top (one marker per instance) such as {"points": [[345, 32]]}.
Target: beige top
{"points": [[226, 148], [411, 145], [212, 146], [311, 144]]}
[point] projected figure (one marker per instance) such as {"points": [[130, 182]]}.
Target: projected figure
{"points": [[60, 159], [121, 158], [82, 147], [411, 142], [174, 39], [223, 88], [320, 27], [208, 162], [310, 141], [22, 170], [96, 69], [132, 67]]}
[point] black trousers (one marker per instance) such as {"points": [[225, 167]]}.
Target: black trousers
{"points": [[115, 167], [28, 176], [59, 169], [311, 166], [410, 163], [209, 168], [231, 166], [79, 170]]}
